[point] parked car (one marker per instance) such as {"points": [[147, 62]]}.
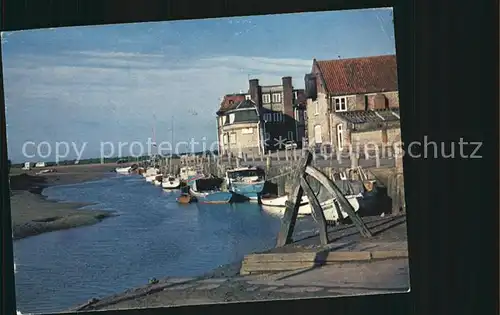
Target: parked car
{"points": [[290, 145]]}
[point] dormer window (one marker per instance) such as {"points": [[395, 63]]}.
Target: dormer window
{"points": [[248, 97]]}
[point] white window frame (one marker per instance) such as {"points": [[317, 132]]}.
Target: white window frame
{"points": [[276, 97], [266, 98], [295, 95], [318, 135], [248, 97], [278, 117], [246, 131], [316, 108], [232, 140], [268, 117], [231, 118], [340, 99]]}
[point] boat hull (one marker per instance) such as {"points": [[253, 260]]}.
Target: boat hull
{"points": [[213, 197], [123, 170], [278, 206], [252, 191], [174, 184]]}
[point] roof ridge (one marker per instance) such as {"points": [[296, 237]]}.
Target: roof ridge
{"points": [[354, 58]]}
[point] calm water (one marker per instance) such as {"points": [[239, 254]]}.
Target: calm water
{"points": [[152, 237]]}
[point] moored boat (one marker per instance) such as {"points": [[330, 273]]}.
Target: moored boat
{"points": [[158, 180], [170, 182], [123, 170], [277, 205], [207, 190], [246, 181]]}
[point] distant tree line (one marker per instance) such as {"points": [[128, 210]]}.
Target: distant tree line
{"points": [[126, 159]]}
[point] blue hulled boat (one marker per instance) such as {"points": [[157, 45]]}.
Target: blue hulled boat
{"points": [[246, 181], [207, 190]]}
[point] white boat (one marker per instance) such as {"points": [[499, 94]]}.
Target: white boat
{"points": [[150, 178], [123, 170], [171, 182], [277, 206], [188, 171]]}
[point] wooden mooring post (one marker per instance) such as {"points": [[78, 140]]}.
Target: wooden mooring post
{"points": [[301, 186]]}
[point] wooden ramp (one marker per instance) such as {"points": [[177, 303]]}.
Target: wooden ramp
{"points": [[277, 262]]}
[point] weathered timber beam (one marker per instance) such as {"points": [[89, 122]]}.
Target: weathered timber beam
{"points": [[344, 204], [292, 204], [317, 211]]}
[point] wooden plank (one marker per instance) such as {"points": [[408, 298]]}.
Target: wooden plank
{"points": [[317, 211], [347, 256], [389, 254], [292, 204], [273, 267], [346, 206], [299, 256]]}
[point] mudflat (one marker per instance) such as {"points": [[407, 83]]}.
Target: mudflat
{"points": [[33, 214]]}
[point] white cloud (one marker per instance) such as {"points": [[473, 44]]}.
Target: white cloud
{"points": [[111, 95]]}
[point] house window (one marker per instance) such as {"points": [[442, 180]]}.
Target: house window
{"points": [[266, 98], [278, 117], [268, 117], [232, 138], [231, 118], [248, 97], [246, 131], [340, 104], [276, 97], [225, 138], [295, 96], [317, 134], [290, 135], [224, 118], [316, 108]]}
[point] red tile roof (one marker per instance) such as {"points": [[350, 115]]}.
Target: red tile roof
{"points": [[360, 75], [229, 101]]}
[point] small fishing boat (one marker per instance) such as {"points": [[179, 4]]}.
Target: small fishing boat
{"points": [[187, 172], [207, 190], [123, 170], [158, 180], [277, 205], [246, 181], [170, 182]]}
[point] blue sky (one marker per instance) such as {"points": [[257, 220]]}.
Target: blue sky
{"points": [[114, 83]]}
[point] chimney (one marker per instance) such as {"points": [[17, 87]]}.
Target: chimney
{"points": [[287, 96], [255, 94]]}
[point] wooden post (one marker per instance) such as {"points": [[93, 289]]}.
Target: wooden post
{"points": [[268, 163], [354, 161], [286, 154], [344, 204], [295, 154], [317, 210], [281, 186], [292, 205], [377, 157]]}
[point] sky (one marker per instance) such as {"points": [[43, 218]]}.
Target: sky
{"points": [[86, 86]]}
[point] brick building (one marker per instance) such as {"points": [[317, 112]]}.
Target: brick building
{"points": [[353, 101], [281, 111]]}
